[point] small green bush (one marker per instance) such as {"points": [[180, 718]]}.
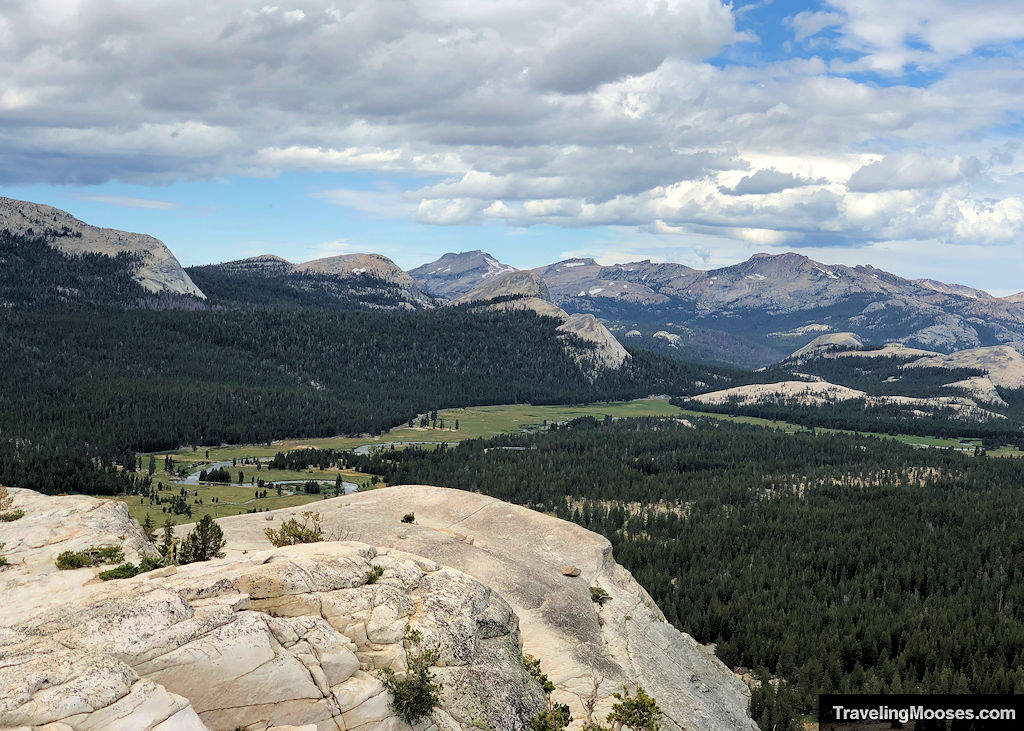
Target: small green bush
{"points": [[124, 571], [532, 666], [375, 573], [3, 558], [599, 596], [414, 696], [128, 570], [89, 557], [292, 531], [639, 713], [556, 718], [6, 503], [409, 518]]}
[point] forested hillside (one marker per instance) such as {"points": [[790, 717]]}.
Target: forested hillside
{"points": [[839, 563], [91, 365], [227, 284], [36, 275]]}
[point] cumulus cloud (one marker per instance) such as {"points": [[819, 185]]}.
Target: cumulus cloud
{"points": [[568, 112], [910, 172], [892, 36], [766, 181]]}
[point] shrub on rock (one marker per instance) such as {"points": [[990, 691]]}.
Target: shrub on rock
{"points": [[6, 503], [416, 694], [89, 557], [293, 532], [638, 713]]}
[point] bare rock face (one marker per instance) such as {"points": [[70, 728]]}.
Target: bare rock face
{"points": [[518, 290], [269, 638], [158, 271], [607, 353], [350, 265], [510, 284], [827, 342], [454, 275], [523, 555], [1004, 364]]}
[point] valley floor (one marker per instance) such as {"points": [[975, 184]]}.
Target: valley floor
{"points": [[473, 422]]}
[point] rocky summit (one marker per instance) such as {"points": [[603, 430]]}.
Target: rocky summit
{"points": [[281, 637], [587, 340], [454, 275], [157, 269]]}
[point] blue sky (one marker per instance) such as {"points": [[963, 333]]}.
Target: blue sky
{"points": [[682, 130]]}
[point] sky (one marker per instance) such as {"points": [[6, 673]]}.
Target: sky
{"points": [[852, 131]]}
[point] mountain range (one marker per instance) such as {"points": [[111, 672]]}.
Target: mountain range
{"points": [[758, 311], [749, 314]]}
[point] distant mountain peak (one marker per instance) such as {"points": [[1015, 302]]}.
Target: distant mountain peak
{"points": [[525, 290], [959, 290], [456, 274], [351, 265], [261, 262]]}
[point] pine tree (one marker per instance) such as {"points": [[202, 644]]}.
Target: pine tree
{"points": [[148, 528], [167, 545], [204, 542]]}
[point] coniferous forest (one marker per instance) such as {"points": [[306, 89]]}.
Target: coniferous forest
{"points": [[838, 563], [94, 367]]}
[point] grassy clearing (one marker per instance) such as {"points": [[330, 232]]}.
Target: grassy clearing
{"points": [[233, 501], [488, 421], [474, 421]]}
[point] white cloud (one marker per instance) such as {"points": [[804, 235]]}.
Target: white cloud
{"points": [[566, 112], [766, 181], [809, 23], [911, 171], [449, 212], [130, 202], [894, 35], [332, 248]]}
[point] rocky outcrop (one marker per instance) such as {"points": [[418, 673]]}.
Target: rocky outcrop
{"points": [[362, 270], [267, 638], [454, 275], [272, 637], [158, 269], [822, 393], [828, 342], [264, 263], [524, 290], [511, 284], [351, 265], [1003, 364], [524, 556], [979, 388], [606, 352]]}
